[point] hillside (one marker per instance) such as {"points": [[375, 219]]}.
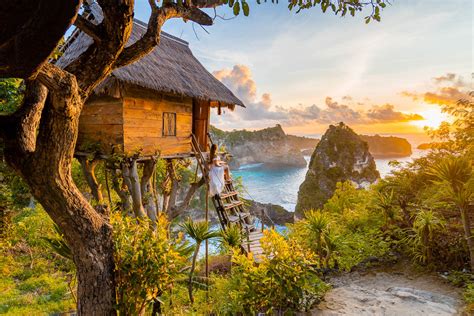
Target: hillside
{"points": [[387, 146], [340, 156], [270, 146]]}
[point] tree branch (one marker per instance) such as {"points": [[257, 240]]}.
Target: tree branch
{"points": [[157, 18], [95, 64], [29, 115], [54, 78], [89, 28]]}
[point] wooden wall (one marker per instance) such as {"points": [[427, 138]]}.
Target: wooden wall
{"points": [[134, 123], [101, 125], [143, 125], [201, 116]]}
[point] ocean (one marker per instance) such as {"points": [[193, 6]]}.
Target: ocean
{"points": [[280, 185]]}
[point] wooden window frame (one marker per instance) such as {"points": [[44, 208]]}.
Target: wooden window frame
{"points": [[164, 132]]}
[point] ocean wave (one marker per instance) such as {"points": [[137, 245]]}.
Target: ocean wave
{"points": [[251, 166]]}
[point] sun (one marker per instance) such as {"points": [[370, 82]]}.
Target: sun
{"points": [[432, 118]]}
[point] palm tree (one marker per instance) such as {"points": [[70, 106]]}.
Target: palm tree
{"points": [[231, 238], [330, 245], [317, 223], [455, 173], [384, 202], [425, 225], [199, 232]]}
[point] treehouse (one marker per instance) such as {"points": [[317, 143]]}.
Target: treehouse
{"points": [[153, 106], [158, 106]]}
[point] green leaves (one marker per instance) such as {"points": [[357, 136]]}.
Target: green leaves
{"points": [[245, 8], [342, 7], [198, 231], [236, 8], [147, 261]]}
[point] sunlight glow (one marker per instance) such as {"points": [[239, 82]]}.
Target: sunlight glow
{"points": [[433, 118]]}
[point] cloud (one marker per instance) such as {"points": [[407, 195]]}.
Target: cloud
{"points": [[239, 80], [387, 113], [448, 90]]}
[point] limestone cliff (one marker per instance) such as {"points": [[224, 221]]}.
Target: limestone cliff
{"points": [[387, 146], [341, 155], [270, 146]]}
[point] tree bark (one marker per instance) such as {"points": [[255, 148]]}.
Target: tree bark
{"points": [[131, 178], [147, 190], [122, 192], [40, 142], [47, 171], [88, 168], [176, 210]]}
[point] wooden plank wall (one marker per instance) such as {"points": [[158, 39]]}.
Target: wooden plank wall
{"points": [[143, 124], [201, 115], [101, 125]]}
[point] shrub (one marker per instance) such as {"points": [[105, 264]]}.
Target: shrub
{"points": [[284, 280], [147, 262]]}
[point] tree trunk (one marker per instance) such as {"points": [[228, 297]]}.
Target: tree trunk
{"points": [[466, 221], [122, 192], [88, 168], [191, 273], [131, 178], [147, 190], [176, 210], [45, 165]]}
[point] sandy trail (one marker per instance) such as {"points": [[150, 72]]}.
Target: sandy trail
{"points": [[396, 291]]}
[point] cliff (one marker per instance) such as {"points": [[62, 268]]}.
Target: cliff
{"points": [[387, 147], [341, 155], [270, 146], [433, 145]]}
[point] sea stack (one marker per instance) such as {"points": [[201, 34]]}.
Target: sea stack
{"points": [[341, 155]]}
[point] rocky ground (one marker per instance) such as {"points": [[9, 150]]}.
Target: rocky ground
{"points": [[397, 291]]}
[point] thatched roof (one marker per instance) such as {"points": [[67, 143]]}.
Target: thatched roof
{"points": [[170, 68]]}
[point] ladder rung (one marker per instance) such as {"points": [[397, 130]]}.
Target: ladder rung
{"points": [[236, 218], [248, 226], [229, 194], [231, 205]]}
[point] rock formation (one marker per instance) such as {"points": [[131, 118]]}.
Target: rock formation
{"points": [[387, 146], [270, 146], [274, 214], [341, 155]]}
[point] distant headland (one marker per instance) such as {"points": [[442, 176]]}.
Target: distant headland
{"points": [[272, 146]]}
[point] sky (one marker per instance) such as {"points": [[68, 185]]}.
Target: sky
{"points": [[308, 70]]}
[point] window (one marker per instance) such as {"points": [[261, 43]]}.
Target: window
{"points": [[169, 124]]}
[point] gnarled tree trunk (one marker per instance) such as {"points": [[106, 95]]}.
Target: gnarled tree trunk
{"points": [[47, 171], [40, 137]]}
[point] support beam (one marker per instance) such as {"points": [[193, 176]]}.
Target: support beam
{"points": [[132, 180]]}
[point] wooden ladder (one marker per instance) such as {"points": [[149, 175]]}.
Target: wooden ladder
{"points": [[230, 209]]}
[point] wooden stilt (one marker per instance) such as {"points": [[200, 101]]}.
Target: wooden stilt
{"points": [[107, 184], [155, 192]]}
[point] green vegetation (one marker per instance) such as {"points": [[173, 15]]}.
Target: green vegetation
{"points": [[33, 279], [420, 211]]}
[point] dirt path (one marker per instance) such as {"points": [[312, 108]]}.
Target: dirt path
{"points": [[396, 291]]}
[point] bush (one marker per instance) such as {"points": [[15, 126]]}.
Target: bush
{"points": [[285, 280], [147, 262]]}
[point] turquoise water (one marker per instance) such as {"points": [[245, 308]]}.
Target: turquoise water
{"points": [[280, 185]]}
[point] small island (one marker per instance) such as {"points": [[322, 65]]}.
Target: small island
{"points": [[387, 146]]}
